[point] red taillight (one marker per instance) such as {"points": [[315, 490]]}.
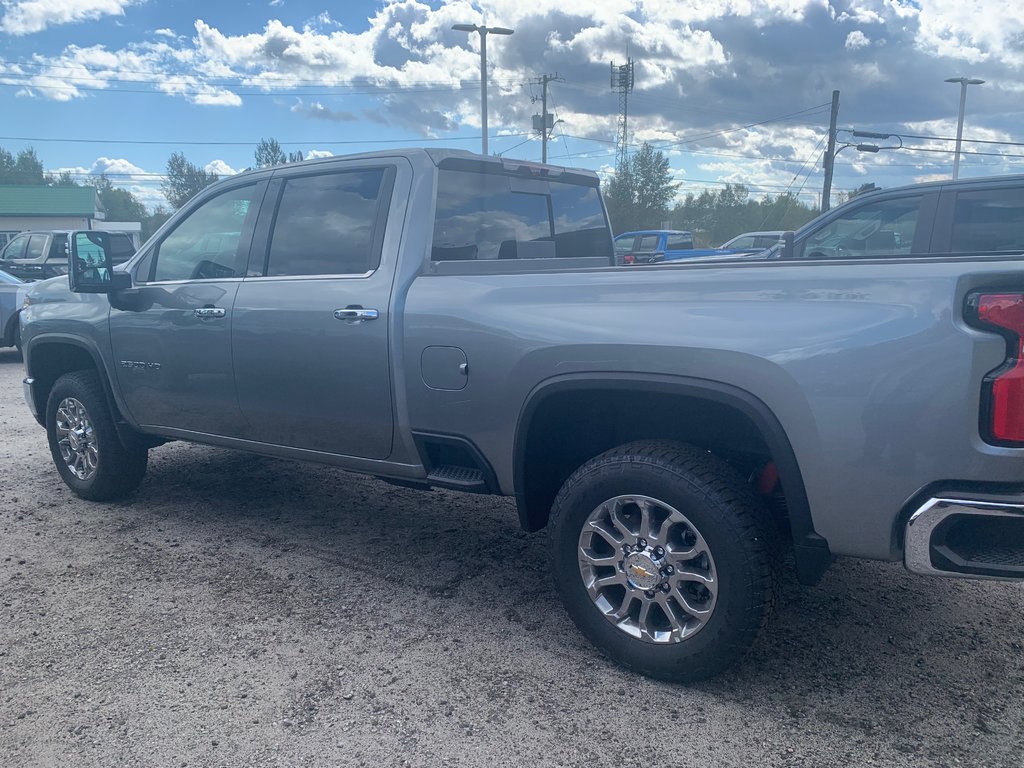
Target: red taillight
{"points": [[1005, 385], [629, 258]]}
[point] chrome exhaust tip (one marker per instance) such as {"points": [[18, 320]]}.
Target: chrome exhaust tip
{"points": [[966, 539]]}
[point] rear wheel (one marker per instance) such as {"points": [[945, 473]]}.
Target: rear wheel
{"points": [[664, 558], [84, 443]]}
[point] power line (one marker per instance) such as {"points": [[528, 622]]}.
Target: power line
{"points": [[347, 142], [221, 90], [965, 141], [94, 75]]}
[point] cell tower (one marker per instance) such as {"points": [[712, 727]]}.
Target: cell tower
{"points": [[622, 81]]}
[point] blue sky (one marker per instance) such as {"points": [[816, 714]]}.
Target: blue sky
{"points": [[731, 90]]}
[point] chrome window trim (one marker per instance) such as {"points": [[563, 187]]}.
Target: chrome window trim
{"points": [[188, 282], [342, 276]]}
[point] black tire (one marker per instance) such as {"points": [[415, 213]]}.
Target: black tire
{"points": [[734, 525], [118, 470]]}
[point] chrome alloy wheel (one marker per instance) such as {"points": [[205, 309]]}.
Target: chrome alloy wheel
{"points": [[76, 439], [647, 569]]}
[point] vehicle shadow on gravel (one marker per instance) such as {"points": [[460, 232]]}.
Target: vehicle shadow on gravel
{"points": [[875, 657], [10, 356]]}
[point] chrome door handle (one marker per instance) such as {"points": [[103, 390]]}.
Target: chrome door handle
{"points": [[356, 313], [209, 312]]}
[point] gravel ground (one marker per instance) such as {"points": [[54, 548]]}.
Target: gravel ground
{"points": [[243, 611]]}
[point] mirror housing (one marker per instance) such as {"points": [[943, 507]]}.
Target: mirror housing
{"points": [[788, 248], [90, 267]]}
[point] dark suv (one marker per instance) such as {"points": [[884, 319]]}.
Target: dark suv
{"points": [[982, 216], [42, 254]]}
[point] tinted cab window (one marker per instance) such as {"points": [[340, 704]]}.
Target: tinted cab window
{"points": [[989, 220], [16, 248], [326, 224], [877, 229], [679, 243], [206, 244], [492, 215]]}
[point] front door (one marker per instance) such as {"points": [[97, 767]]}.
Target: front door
{"points": [[310, 334], [171, 336]]}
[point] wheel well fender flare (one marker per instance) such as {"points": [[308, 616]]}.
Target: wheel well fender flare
{"points": [[40, 341], [812, 552]]}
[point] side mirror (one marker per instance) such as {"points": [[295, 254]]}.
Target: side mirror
{"points": [[788, 248], [90, 268]]}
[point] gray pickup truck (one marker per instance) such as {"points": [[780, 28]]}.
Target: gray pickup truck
{"points": [[443, 319]]}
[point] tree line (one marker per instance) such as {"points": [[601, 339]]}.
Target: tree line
{"points": [[183, 181], [642, 194]]}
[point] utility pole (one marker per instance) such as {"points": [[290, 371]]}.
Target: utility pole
{"points": [[543, 123], [964, 82], [483, 31], [830, 154], [622, 81]]}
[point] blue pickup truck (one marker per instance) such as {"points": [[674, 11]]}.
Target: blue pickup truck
{"points": [[651, 246]]}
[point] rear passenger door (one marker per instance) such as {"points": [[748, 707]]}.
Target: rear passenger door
{"points": [[311, 321]]}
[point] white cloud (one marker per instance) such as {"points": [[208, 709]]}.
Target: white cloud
{"points": [[314, 154], [145, 185], [703, 68], [857, 39], [973, 31], [23, 17], [165, 32], [220, 168]]}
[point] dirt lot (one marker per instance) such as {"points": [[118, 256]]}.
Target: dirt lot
{"points": [[242, 611]]}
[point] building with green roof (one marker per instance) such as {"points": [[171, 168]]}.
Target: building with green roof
{"points": [[24, 207]]}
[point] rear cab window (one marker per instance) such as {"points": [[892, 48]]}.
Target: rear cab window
{"points": [[486, 212], [679, 242]]}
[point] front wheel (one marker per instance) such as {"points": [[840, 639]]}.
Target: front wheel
{"points": [[86, 449], [664, 559]]}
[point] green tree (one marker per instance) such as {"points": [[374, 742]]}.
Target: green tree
{"points": [[153, 221], [184, 180], [639, 194], [715, 217], [866, 187], [23, 168], [269, 152], [119, 204], [64, 179]]}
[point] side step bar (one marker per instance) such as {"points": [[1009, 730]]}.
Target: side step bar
{"points": [[967, 539], [464, 479]]}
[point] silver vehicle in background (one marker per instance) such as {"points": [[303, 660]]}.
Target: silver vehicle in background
{"points": [[12, 296]]}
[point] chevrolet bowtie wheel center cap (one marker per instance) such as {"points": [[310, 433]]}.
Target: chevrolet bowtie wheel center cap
{"points": [[641, 571]]}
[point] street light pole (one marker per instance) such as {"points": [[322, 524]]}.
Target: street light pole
{"points": [[964, 82], [484, 31]]}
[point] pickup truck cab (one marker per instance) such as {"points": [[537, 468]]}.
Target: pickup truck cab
{"points": [[39, 255], [439, 318]]}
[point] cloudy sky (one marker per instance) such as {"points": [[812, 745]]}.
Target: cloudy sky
{"points": [[731, 90]]}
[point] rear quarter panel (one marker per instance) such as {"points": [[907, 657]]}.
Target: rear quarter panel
{"points": [[868, 366]]}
